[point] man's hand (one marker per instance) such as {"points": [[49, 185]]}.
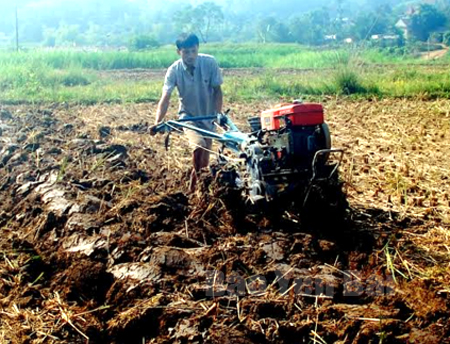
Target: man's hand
{"points": [[152, 129]]}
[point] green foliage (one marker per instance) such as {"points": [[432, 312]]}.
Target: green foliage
{"points": [[68, 35], [368, 24], [49, 38], [228, 55], [320, 25], [425, 21], [66, 76], [143, 42], [74, 78], [271, 30], [446, 38], [112, 23], [66, 59], [436, 37], [97, 35], [348, 81], [202, 19], [37, 76], [311, 27], [297, 27], [425, 82]]}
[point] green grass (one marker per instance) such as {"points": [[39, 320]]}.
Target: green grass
{"points": [[97, 92], [91, 60], [366, 83], [67, 76], [422, 82], [228, 55]]}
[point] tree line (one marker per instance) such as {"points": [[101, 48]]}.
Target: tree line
{"points": [[141, 24]]}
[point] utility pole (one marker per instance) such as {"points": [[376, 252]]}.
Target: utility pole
{"points": [[340, 10], [17, 29], [340, 16]]}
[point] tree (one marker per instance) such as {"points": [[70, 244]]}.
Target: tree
{"points": [[368, 24], [202, 19], [446, 38], [95, 35], [271, 30], [143, 42], [300, 26], [320, 25], [49, 37], [312, 27], [425, 21], [68, 35]]}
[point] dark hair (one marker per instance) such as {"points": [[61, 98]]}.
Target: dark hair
{"points": [[187, 40]]}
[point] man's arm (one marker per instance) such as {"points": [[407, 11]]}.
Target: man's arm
{"points": [[170, 82], [161, 111], [163, 106], [218, 99], [216, 81]]}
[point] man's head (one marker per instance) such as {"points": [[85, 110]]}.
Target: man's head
{"points": [[187, 48]]}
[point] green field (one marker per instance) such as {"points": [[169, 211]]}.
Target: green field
{"points": [[284, 71]]}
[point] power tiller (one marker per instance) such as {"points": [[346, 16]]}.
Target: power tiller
{"points": [[286, 153]]}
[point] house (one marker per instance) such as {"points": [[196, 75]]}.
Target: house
{"points": [[384, 37], [404, 25], [385, 41]]}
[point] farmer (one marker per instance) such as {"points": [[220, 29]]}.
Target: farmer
{"points": [[198, 80]]}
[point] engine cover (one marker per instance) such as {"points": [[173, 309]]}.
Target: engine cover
{"points": [[301, 114]]}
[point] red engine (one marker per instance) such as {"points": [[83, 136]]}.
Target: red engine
{"points": [[298, 114], [292, 143]]}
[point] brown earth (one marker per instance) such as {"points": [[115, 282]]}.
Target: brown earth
{"points": [[435, 54], [101, 243]]}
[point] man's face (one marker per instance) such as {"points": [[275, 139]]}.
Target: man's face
{"points": [[189, 55]]}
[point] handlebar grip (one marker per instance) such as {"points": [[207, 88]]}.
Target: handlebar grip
{"points": [[162, 128]]}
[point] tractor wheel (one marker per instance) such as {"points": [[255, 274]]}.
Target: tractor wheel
{"points": [[325, 206]]}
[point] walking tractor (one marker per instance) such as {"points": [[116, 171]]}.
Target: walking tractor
{"points": [[286, 154]]}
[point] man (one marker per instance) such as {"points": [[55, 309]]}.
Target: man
{"points": [[198, 80]]}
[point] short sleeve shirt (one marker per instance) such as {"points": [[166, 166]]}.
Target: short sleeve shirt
{"points": [[196, 91]]}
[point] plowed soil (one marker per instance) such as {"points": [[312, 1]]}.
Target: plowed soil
{"points": [[101, 243]]}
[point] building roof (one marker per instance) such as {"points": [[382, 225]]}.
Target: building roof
{"points": [[403, 23]]}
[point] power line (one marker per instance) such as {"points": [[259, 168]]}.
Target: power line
{"points": [[17, 29]]}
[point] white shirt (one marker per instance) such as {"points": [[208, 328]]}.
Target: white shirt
{"points": [[196, 91]]}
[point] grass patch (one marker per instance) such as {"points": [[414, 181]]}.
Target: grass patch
{"points": [[74, 78], [35, 76], [228, 55], [290, 71], [98, 91], [348, 82], [72, 87], [422, 82]]}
